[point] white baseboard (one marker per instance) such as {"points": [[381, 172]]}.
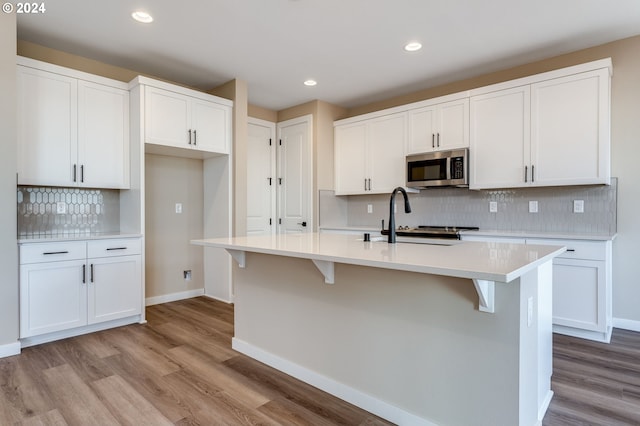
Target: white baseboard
{"points": [[353, 396], [230, 302], [626, 324], [542, 410], [10, 349], [172, 297]]}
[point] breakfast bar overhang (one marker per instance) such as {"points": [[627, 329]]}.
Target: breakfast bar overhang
{"points": [[433, 334]]}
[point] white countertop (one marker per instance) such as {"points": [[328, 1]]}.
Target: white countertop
{"points": [[73, 237], [475, 260]]}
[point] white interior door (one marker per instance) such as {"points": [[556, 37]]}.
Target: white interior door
{"points": [[261, 178], [295, 176]]}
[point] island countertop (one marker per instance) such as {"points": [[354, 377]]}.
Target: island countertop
{"points": [[490, 261]]}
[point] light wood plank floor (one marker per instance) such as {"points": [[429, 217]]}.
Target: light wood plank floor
{"points": [[179, 369]]}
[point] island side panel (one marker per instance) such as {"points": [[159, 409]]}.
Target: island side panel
{"points": [[415, 341]]}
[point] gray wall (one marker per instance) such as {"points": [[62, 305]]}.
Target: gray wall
{"points": [[8, 243], [171, 180]]}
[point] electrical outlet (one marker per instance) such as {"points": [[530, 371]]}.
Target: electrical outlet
{"points": [[369, 208], [187, 275], [493, 207], [178, 208], [578, 206], [533, 207], [61, 207]]}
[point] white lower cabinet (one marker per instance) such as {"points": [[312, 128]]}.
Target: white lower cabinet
{"points": [[69, 285], [582, 295], [582, 289]]}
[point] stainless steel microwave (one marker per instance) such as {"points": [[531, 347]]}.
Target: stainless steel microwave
{"points": [[441, 168]]}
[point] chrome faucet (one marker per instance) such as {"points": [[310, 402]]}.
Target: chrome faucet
{"points": [[392, 221]]}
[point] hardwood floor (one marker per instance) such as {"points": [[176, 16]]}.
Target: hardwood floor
{"points": [[595, 383], [179, 369]]}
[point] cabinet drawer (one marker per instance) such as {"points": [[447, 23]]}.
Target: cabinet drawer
{"points": [[589, 250], [116, 247], [52, 252]]}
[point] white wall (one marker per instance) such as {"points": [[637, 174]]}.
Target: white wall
{"points": [[8, 225]]}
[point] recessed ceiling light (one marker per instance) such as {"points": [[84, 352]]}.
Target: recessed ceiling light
{"points": [[413, 46], [310, 82], [141, 16]]}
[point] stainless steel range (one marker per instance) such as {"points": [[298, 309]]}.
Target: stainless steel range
{"points": [[444, 232]]}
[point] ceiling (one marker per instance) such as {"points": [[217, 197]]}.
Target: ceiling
{"points": [[353, 48]]}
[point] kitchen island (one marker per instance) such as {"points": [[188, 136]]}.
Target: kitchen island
{"points": [[436, 334]]}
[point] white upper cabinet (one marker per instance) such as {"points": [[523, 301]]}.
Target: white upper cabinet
{"points": [[500, 138], [167, 118], [553, 131], [184, 119], [570, 130], [47, 127], [72, 130], [369, 155], [103, 135], [439, 127]]}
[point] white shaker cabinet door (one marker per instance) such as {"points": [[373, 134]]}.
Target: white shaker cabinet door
{"points": [[570, 140], [114, 288], [47, 127], [579, 294], [453, 125], [500, 139], [422, 130], [53, 297], [167, 118], [350, 158], [103, 136], [211, 126], [386, 157]]}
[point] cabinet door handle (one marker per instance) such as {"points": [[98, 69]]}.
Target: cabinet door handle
{"points": [[189, 136], [91, 269], [195, 138], [116, 248], [74, 172], [438, 140], [433, 140], [84, 274], [55, 252], [526, 171], [82, 173], [532, 174], [369, 184]]}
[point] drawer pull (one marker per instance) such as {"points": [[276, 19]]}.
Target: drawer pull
{"points": [[55, 252], [571, 249], [116, 248]]}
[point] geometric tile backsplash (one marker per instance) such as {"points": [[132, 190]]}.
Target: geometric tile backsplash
{"points": [[84, 212], [464, 207]]}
